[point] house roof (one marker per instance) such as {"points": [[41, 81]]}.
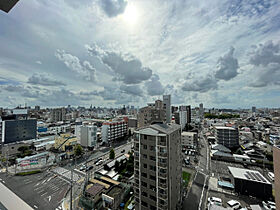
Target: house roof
{"points": [[95, 189]]}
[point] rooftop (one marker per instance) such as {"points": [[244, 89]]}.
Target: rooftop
{"points": [[247, 174], [95, 189], [115, 191], [166, 128], [224, 127]]}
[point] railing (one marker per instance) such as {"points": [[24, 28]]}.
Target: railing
{"points": [[163, 196], [162, 143], [164, 165], [162, 185], [162, 154], [163, 175], [162, 206]]}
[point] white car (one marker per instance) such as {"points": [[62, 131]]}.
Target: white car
{"points": [[269, 205], [215, 200], [234, 204], [99, 162]]}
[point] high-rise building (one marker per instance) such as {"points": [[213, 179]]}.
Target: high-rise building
{"points": [[86, 135], [152, 113], [182, 108], [201, 110], [37, 108], [253, 109], [181, 118], [227, 136], [7, 5], [158, 167], [58, 114], [114, 130], [276, 164], [189, 114], [167, 107]]}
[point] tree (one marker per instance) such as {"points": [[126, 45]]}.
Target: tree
{"points": [[22, 149], [117, 166], [78, 150], [112, 154]]}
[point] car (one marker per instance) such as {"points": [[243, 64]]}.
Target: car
{"points": [[82, 168], [215, 200], [187, 162], [234, 204], [89, 168], [99, 162], [123, 151]]}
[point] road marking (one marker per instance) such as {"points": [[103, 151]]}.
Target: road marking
{"points": [[200, 202], [36, 207], [50, 197], [44, 194], [39, 192], [3, 181]]}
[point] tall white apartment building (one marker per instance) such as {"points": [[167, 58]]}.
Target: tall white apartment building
{"points": [[86, 135], [189, 139]]}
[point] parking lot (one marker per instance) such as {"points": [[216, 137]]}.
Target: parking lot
{"points": [[41, 191]]}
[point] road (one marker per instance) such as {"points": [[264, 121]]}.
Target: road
{"points": [[196, 197]]}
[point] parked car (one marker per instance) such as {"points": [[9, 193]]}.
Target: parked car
{"points": [[215, 200], [187, 162], [269, 205], [99, 162], [234, 204], [89, 168], [82, 168], [123, 151]]}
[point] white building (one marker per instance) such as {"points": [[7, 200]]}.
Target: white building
{"points": [[189, 139], [86, 135], [183, 118], [113, 130]]}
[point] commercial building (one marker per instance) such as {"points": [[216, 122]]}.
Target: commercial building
{"points": [[276, 164], [152, 113], [58, 114], [113, 130], [189, 139], [201, 110], [189, 114], [18, 130], [7, 5], [65, 142], [167, 107], [158, 167], [251, 182], [227, 136], [86, 135]]}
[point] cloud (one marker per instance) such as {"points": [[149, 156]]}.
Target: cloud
{"points": [[45, 80], [154, 86], [135, 90], [227, 66], [266, 61], [265, 54], [127, 68], [85, 69], [113, 8], [39, 62], [200, 84]]}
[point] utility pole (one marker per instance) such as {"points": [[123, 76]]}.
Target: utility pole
{"points": [[71, 207]]}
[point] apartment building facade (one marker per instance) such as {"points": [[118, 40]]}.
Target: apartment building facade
{"points": [[227, 136], [58, 114], [114, 130], [189, 139], [157, 167]]}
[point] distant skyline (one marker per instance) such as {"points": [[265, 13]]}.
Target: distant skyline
{"points": [[225, 54]]}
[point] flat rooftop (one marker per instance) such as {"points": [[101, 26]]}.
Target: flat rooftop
{"points": [[246, 174], [224, 127]]}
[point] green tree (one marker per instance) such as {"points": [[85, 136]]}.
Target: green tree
{"points": [[78, 150], [112, 154], [23, 149], [117, 166]]}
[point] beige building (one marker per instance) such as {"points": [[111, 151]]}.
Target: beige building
{"points": [[189, 139], [154, 112], [65, 142], [158, 167]]}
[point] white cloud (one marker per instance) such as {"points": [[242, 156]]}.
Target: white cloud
{"points": [[44, 79], [154, 86], [113, 8]]}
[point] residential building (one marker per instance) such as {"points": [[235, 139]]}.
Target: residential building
{"points": [[227, 136], [189, 114], [189, 139], [167, 107], [276, 164], [58, 114], [86, 135], [113, 130], [158, 167], [152, 113], [181, 118], [201, 110], [18, 130], [253, 109]]}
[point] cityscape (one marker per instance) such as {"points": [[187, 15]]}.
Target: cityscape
{"points": [[135, 104]]}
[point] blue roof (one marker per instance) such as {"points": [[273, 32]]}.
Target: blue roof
{"points": [[225, 184]]}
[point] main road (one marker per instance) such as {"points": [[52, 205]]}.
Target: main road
{"points": [[196, 197]]}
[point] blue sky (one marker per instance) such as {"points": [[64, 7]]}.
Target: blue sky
{"points": [[114, 52]]}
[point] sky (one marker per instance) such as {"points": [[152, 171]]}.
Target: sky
{"points": [[224, 54]]}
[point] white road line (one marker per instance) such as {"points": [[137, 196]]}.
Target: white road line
{"points": [[39, 192], [200, 202], [36, 207], [44, 194]]}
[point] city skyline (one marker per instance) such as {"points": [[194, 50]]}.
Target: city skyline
{"points": [[109, 53]]}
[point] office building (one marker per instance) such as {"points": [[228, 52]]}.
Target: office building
{"points": [[189, 139], [113, 130], [167, 107], [253, 109], [150, 114], [201, 110], [58, 114], [7, 5], [18, 130], [86, 135], [251, 182], [189, 114], [276, 164], [227, 136], [158, 167]]}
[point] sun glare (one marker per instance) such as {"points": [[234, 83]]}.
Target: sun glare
{"points": [[130, 14]]}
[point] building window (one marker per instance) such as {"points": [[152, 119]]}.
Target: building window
{"points": [[152, 177], [152, 207], [143, 184], [153, 158], [153, 198], [153, 188], [145, 146], [145, 165], [152, 148], [144, 174], [145, 137], [153, 168], [144, 203], [144, 194], [145, 156]]}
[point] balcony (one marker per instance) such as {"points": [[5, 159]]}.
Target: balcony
{"points": [[162, 196], [162, 154], [163, 165], [136, 185], [162, 175], [162, 144], [162, 206], [162, 185]]}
